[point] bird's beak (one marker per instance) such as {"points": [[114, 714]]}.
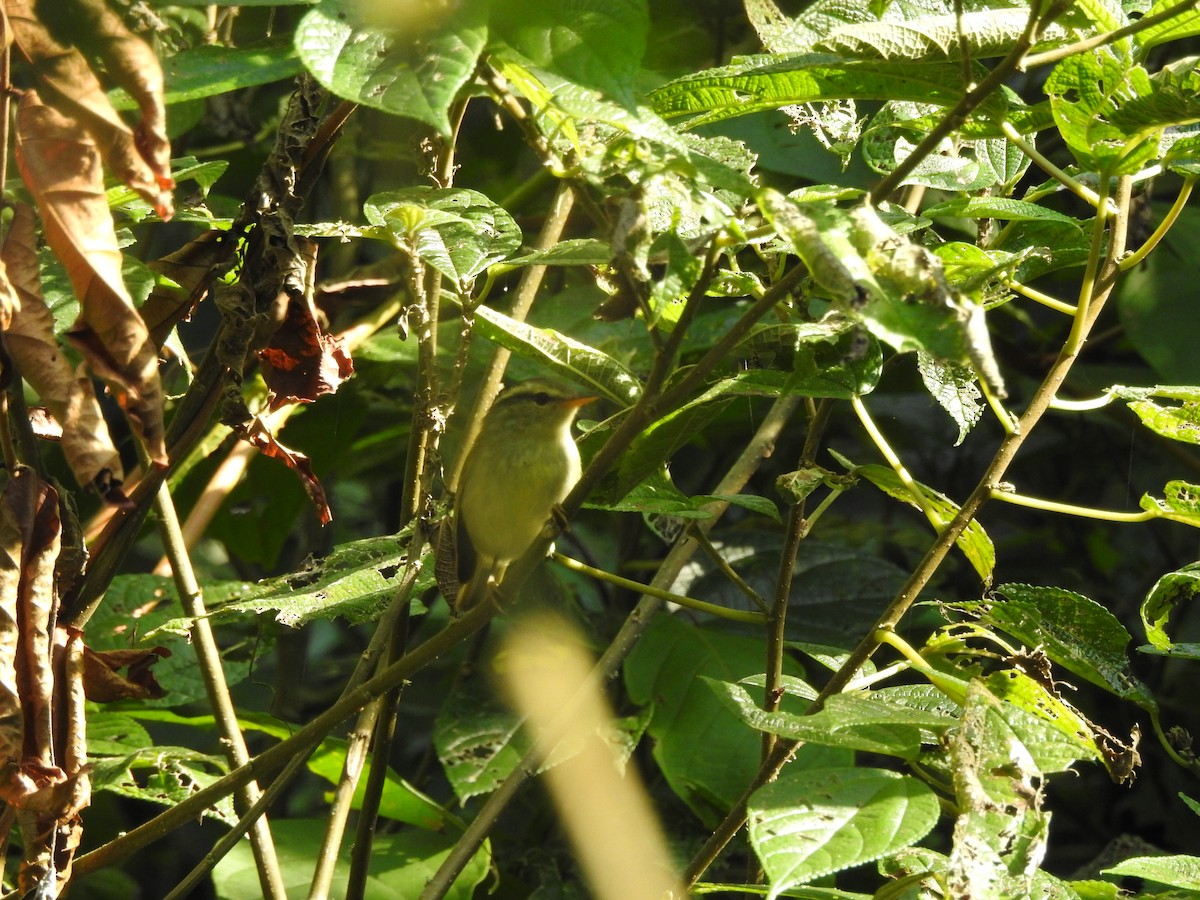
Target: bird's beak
{"points": [[576, 402]]}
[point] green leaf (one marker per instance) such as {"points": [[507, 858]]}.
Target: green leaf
{"points": [[577, 362], [1112, 113], [985, 33], [660, 440], [1183, 24], [1173, 871], [594, 43], [756, 83], [457, 231], [399, 800], [1180, 503], [357, 581], [479, 741], [401, 863], [574, 252], [995, 208], [815, 822], [414, 72], [207, 71], [1075, 632], [848, 722], [955, 389], [1073, 737], [974, 542], [1000, 834], [1179, 423], [1161, 602], [830, 358], [703, 750]]}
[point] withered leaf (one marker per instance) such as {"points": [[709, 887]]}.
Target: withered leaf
{"points": [[140, 159], [60, 166], [104, 683], [257, 433], [31, 342], [301, 363]]}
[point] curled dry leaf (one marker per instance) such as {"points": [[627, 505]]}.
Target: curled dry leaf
{"points": [[300, 362], [257, 433], [42, 753], [31, 342], [42, 33], [60, 166], [104, 683]]}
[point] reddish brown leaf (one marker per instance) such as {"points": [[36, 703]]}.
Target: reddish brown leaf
{"points": [[104, 683], [258, 434], [61, 167], [31, 342], [300, 362], [141, 159]]}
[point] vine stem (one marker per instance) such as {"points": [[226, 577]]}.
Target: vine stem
{"points": [[1070, 509], [209, 659], [945, 539], [647, 590], [1135, 258], [757, 450]]}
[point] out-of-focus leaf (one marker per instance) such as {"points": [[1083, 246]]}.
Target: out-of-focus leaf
{"points": [[594, 43], [68, 395], [58, 163], [415, 71], [1173, 871], [141, 157]]}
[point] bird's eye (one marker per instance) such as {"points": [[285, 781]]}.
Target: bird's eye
{"points": [[541, 398]]}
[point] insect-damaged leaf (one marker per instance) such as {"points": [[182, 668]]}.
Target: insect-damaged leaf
{"points": [[60, 165]]}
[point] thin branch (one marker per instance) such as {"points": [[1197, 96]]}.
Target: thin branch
{"points": [[209, 659], [1058, 53]]}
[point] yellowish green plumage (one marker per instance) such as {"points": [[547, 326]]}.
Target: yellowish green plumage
{"points": [[522, 465]]}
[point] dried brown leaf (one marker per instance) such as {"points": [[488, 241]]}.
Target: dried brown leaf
{"points": [[300, 362], [30, 340], [257, 433], [60, 166], [104, 683], [140, 159]]}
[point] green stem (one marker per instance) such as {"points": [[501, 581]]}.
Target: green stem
{"points": [[724, 612], [1086, 512], [209, 659], [1038, 297], [1135, 258], [881, 444], [1073, 185]]}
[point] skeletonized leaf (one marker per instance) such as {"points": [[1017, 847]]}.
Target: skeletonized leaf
{"points": [[60, 165]]}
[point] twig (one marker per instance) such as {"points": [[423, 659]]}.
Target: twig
{"points": [[209, 658]]}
